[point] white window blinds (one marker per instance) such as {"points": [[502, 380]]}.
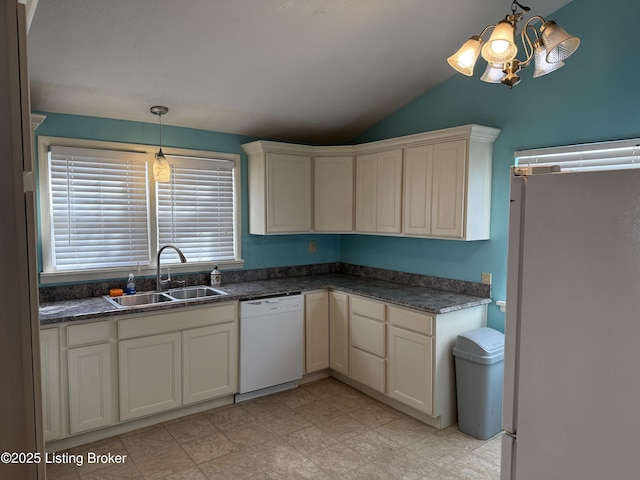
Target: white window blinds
{"points": [[615, 155], [196, 209], [99, 215]]}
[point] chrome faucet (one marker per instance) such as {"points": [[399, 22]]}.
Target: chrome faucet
{"points": [[163, 281]]}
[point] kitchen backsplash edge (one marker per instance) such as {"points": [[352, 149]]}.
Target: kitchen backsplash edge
{"points": [[85, 290]]}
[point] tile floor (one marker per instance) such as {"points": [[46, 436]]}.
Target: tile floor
{"points": [[323, 430]]}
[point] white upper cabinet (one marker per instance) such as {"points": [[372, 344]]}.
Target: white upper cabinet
{"points": [[279, 189], [434, 184], [418, 179], [449, 180], [366, 189], [447, 186], [379, 192], [333, 194], [288, 193]]}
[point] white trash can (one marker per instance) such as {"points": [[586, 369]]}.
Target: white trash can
{"points": [[479, 359]]}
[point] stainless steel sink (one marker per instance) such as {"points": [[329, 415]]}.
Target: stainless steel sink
{"points": [[139, 299], [191, 293], [172, 295]]}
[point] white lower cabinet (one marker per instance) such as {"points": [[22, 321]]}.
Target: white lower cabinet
{"points": [[209, 362], [406, 355], [339, 332], [420, 364], [90, 387], [183, 356], [100, 373], [316, 326], [410, 369], [50, 376], [150, 375], [367, 343], [367, 369], [90, 376]]}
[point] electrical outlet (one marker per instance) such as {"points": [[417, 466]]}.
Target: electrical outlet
{"points": [[486, 278], [312, 246]]}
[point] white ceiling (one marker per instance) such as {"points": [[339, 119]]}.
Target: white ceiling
{"points": [[320, 71]]}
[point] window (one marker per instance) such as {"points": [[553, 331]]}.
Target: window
{"points": [[196, 209], [102, 215], [615, 155], [98, 209]]}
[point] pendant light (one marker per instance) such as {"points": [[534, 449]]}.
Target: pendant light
{"points": [[550, 45], [161, 169]]}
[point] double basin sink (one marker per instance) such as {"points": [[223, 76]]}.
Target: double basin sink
{"points": [[172, 295]]}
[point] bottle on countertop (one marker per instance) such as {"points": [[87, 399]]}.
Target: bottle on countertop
{"points": [[216, 277], [131, 285]]}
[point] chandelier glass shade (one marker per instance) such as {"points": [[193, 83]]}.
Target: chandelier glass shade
{"points": [[546, 47]]}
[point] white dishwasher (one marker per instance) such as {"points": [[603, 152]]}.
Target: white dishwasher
{"points": [[271, 345]]}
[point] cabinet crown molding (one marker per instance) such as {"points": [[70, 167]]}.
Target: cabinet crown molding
{"points": [[471, 131]]}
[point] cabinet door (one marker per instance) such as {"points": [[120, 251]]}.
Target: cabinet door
{"points": [[288, 193], [316, 321], [410, 369], [389, 192], [150, 380], [50, 372], [209, 362], [339, 332], [90, 387], [366, 186], [418, 174], [449, 185], [333, 194]]}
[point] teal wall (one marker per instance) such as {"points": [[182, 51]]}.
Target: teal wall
{"points": [[594, 97], [257, 251]]}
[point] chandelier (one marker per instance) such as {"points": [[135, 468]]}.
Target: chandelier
{"points": [[547, 47]]}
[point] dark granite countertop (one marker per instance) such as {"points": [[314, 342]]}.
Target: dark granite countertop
{"points": [[429, 300]]}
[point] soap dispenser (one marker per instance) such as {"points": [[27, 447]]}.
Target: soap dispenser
{"points": [[216, 277], [131, 285]]}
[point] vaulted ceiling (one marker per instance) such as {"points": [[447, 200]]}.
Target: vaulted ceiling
{"points": [[320, 71]]}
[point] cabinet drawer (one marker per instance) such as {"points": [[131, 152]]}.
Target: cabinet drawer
{"points": [[177, 319], [367, 369], [367, 334], [367, 308], [420, 322], [86, 333]]}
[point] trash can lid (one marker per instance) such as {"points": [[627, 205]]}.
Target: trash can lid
{"points": [[482, 345]]}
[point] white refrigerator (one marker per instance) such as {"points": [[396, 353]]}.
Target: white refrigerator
{"points": [[571, 405]]}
